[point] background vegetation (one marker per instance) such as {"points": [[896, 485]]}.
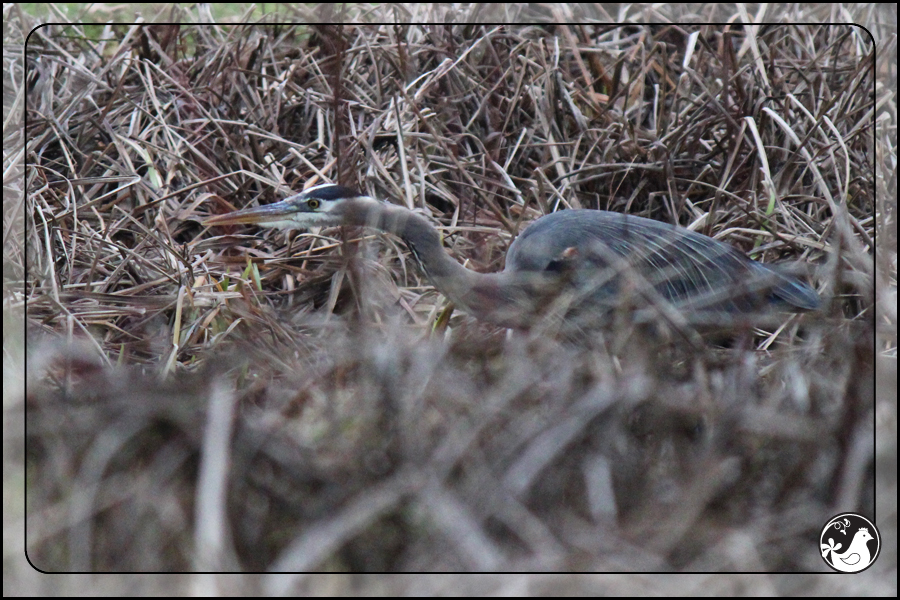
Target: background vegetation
{"points": [[255, 401]]}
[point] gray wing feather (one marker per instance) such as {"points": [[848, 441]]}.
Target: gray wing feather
{"points": [[685, 267]]}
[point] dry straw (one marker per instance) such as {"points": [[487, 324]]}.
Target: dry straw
{"points": [[250, 400]]}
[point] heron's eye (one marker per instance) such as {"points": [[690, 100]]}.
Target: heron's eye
{"points": [[313, 203]]}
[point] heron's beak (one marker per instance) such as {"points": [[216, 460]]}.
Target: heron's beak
{"points": [[273, 215]]}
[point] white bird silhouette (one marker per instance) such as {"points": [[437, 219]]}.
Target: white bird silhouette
{"points": [[855, 557]]}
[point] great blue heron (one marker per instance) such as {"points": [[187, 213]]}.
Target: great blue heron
{"points": [[576, 263]]}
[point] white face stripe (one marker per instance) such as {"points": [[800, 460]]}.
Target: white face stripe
{"points": [[319, 187]]}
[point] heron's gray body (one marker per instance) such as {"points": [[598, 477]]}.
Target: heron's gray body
{"points": [[680, 264]]}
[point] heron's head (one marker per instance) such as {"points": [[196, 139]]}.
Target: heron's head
{"points": [[325, 205]]}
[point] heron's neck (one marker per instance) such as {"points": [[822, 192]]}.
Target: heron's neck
{"points": [[424, 241], [495, 297]]}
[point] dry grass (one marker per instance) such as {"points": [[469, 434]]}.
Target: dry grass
{"points": [[257, 401]]}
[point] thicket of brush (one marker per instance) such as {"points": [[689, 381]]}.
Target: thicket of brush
{"points": [[250, 400]]}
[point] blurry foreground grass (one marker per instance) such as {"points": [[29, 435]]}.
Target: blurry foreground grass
{"points": [[188, 412]]}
